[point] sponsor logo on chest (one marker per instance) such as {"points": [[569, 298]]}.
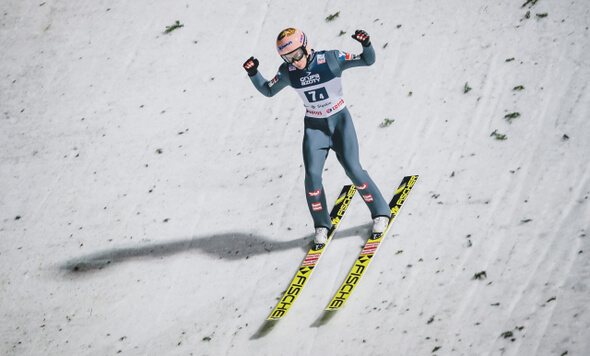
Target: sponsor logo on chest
{"points": [[309, 79]]}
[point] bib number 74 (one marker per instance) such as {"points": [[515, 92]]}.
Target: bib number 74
{"points": [[316, 95]]}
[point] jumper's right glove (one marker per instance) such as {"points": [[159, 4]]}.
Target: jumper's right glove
{"points": [[251, 66], [362, 37]]}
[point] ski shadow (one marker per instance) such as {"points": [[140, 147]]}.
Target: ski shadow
{"points": [[228, 246], [324, 319], [268, 325]]}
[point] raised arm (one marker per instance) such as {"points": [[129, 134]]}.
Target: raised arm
{"points": [[343, 60], [265, 87]]}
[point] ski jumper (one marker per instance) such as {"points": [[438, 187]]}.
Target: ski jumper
{"points": [[328, 125]]}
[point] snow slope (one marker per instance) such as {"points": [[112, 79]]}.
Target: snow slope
{"points": [[151, 201]]}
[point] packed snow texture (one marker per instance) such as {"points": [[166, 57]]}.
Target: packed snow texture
{"points": [[152, 201]]}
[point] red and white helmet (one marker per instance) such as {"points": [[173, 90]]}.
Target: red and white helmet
{"points": [[292, 45]]}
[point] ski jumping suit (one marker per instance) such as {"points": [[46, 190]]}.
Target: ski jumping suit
{"points": [[328, 125]]}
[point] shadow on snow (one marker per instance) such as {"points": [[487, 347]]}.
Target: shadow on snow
{"points": [[230, 246]]}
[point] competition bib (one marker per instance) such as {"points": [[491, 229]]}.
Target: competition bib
{"points": [[320, 90]]}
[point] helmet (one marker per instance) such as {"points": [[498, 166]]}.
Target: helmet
{"points": [[292, 45]]}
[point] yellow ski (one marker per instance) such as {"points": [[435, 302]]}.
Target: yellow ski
{"points": [[371, 247], [313, 256]]}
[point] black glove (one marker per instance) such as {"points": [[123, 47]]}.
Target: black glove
{"points": [[251, 66], [362, 37]]}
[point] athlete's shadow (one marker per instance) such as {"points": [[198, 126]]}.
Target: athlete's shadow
{"points": [[230, 246]]}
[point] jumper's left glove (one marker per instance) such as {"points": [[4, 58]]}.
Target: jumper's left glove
{"points": [[251, 66], [362, 37]]}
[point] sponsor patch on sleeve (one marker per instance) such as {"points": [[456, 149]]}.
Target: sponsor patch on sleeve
{"points": [[348, 56], [274, 80]]}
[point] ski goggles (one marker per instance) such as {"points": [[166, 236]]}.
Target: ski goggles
{"points": [[295, 55]]}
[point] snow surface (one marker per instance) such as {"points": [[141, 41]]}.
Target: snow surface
{"points": [[151, 201]]}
